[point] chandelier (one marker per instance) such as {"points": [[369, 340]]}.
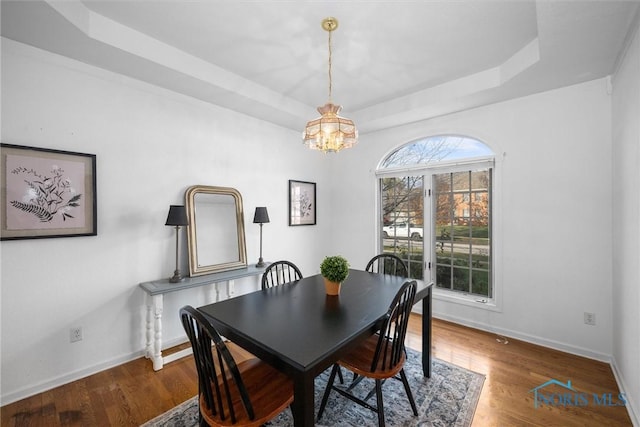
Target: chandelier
{"points": [[330, 133]]}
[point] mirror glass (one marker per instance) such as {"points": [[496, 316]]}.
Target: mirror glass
{"points": [[216, 229]]}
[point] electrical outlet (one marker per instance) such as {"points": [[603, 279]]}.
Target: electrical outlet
{"points": [[589, 318], [75, 334]]}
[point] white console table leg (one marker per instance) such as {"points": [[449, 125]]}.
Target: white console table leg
{"points": [[213, 293], [148, 349], [231, 288], [157, 329], [154, 306]]}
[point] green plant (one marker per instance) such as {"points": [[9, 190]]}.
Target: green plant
{"points": [[334, 268]]}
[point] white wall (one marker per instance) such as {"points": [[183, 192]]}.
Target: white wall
{"points": [[151, 145], [553, 224], [626, 226], [554, 183]]}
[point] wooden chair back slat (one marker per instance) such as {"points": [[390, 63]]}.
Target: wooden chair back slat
{"points": [[280, 272], [387, 264]]}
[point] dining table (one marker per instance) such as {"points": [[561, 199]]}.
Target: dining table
{"points": [[300, 330]]}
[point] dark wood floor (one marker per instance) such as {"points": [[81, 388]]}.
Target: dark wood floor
{"points": [[133, 393]]}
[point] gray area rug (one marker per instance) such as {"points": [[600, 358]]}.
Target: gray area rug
{"points": [[448, 398]]}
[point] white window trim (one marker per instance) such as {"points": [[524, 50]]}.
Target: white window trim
{"points": [[424, 169], [491, 304]]}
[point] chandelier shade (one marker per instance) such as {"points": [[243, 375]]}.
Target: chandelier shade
{"points": [[330, 132]]}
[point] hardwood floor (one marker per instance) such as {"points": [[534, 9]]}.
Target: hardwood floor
{"points": [[133, 393]]}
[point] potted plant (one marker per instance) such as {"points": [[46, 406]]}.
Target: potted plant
{"points": [[335, 270]]}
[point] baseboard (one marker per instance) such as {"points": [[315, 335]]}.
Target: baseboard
{"points": [[533, 339], [31, 390], [66, 379], [632, 409]]}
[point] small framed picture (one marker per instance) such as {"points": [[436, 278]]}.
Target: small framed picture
{"points": [[302, 203], [47, 193]]}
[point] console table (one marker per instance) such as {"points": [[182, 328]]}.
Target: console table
{"points": [[155, 291]]}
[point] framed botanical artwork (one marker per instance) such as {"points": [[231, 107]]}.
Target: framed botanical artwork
{"points": [[47, 193], [302, 203]]}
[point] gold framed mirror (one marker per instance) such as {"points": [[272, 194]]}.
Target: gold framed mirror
{"points": [[215, 237]]}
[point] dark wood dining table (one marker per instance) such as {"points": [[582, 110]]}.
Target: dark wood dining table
{"points": [[301, 331]]}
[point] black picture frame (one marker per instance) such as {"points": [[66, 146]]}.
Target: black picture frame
{"points": [[302, 203], [47, 193]]}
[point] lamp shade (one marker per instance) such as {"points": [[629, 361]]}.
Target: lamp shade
{"points": [[261, 216], [177, 216]]}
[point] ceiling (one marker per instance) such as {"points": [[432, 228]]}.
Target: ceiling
{"points": [[393, 62]]}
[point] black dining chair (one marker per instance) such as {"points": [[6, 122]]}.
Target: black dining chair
{"points": [[246, 394], [380, 357], [387, 264], [280, 272]]}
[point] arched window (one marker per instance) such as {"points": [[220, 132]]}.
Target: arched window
{"points": [[436, 212], [435, 149]]}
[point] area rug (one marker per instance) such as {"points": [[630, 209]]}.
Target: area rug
{"points": [[448, 398]]}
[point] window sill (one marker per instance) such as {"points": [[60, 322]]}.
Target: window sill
{"points": [[474, 301]]}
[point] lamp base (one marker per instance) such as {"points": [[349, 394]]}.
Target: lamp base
{"points": [[177, 277], [260, 263]]}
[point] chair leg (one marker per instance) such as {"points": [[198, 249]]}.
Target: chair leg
{"points": [[379, 403], [354, 382], [201, 420], [407, 389], [373, 390], [340, 375], [327, 390]]}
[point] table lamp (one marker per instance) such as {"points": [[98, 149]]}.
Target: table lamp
{"points": [[261, 217], [177, 217]]}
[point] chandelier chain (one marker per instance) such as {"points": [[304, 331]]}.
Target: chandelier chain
{"points": [[330, 83]]}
